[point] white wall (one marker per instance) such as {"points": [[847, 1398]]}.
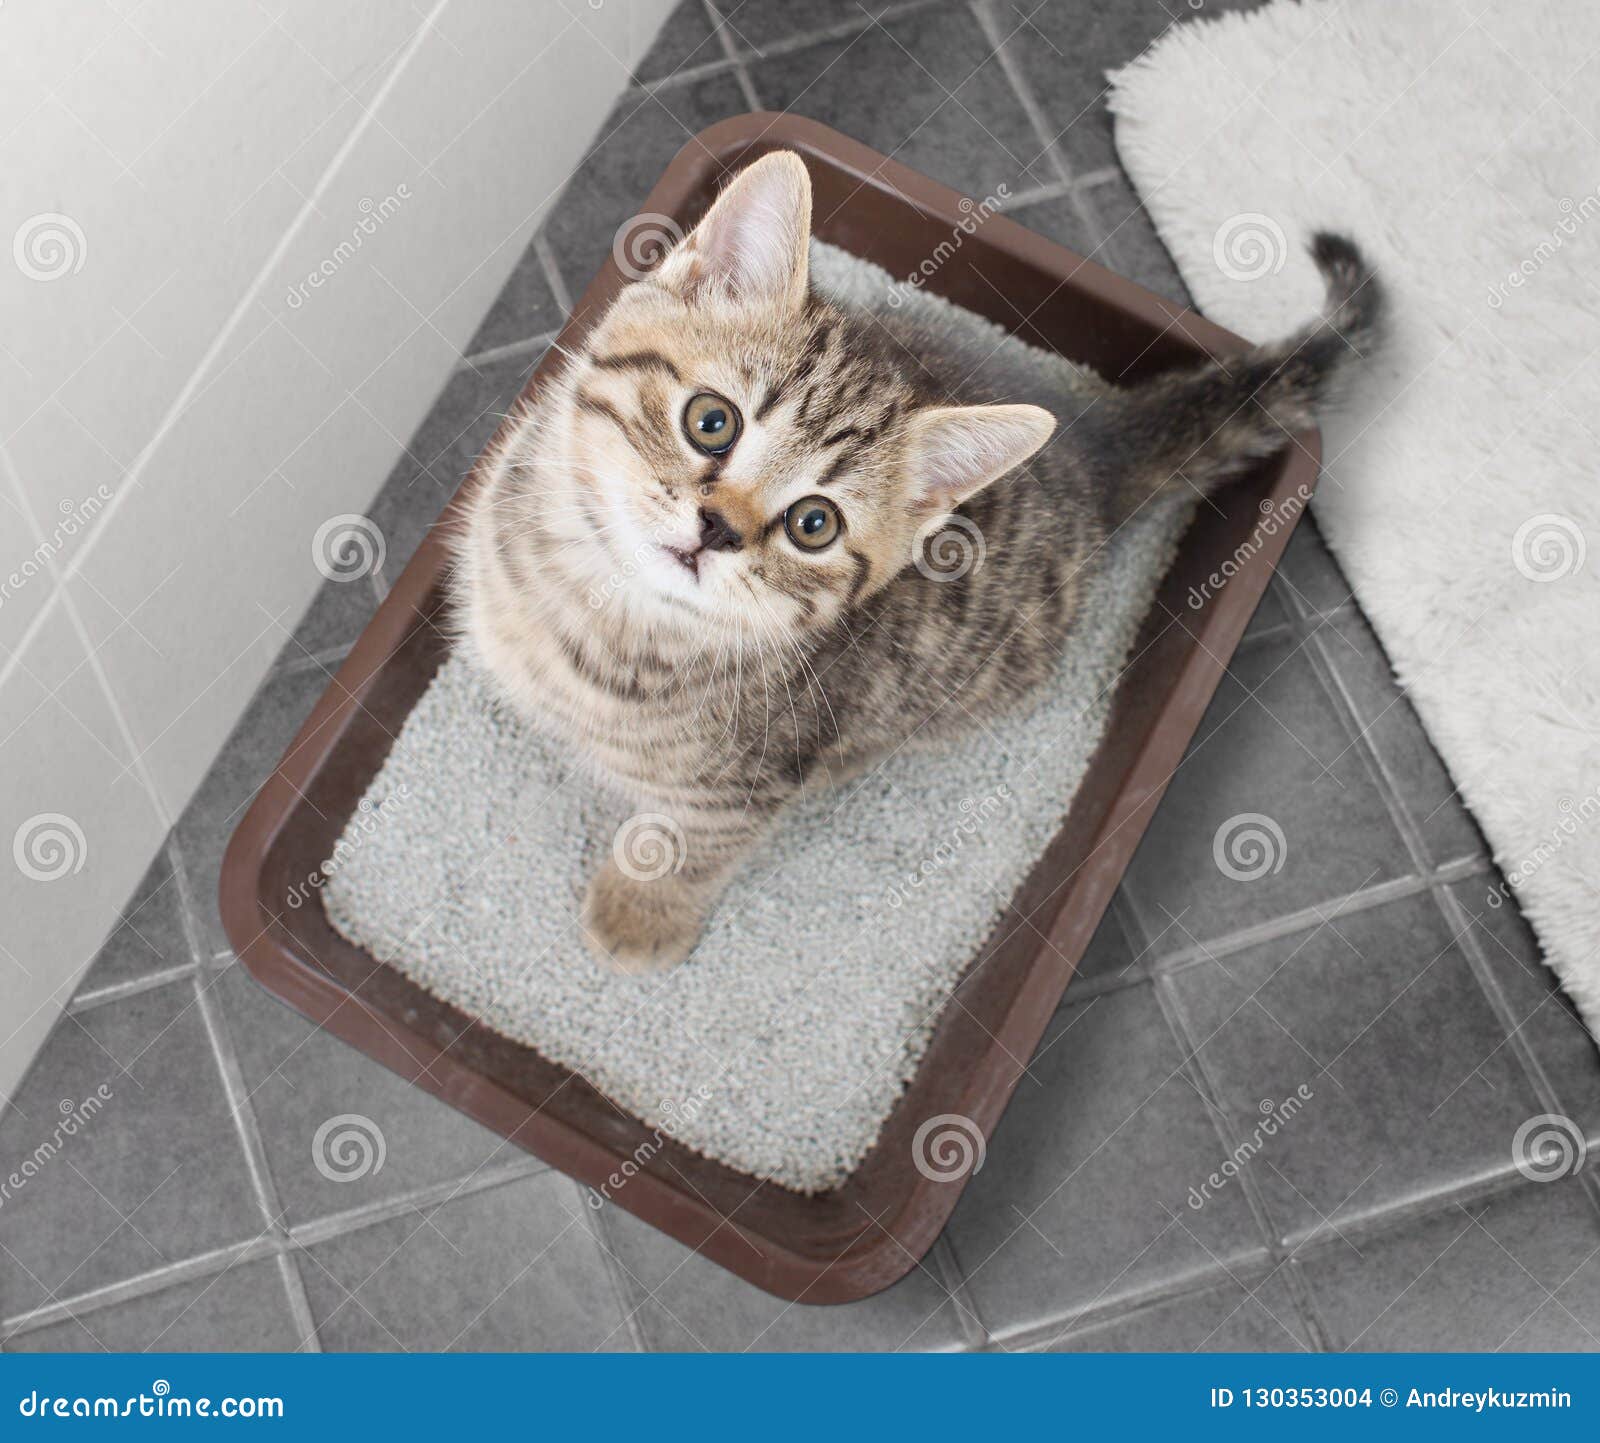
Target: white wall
{"points": [[173, 429]]}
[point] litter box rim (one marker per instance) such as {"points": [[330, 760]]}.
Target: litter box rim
{"points": [[876, 1227]]}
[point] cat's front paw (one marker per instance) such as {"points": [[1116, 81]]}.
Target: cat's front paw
{"points": [[639, 927]]}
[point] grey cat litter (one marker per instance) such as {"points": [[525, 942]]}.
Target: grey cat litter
{"points": [[781, 1046]]}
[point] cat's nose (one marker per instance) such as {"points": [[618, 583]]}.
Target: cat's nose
{"points": [[716, 534]]}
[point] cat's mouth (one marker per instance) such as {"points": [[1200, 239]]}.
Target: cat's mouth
{"points": [[688, 558]]}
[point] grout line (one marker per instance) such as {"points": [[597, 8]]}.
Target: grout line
{"points": [[599, 1230], [294, 1287], [1031, 1337], [968, 1317], [118, 991], [552, 272], [428, 1195], [193, 920], [1315, 915], [1315, 646], [244, 1118], [1450, 908], [999, 45], [1091, 179], [1035, 195], [1212, 1099], [269, 1244], [1549, 1097], [201, 1265], [1311, 1246], [329, 658], [188, 919], [787, 45], [681, 78], [495, 354], [723, 31]]}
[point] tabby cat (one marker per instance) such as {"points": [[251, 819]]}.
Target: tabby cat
{"points": [[693, 551]]}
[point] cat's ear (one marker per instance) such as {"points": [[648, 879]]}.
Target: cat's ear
{"points": [[751, 247], [956, 451]]}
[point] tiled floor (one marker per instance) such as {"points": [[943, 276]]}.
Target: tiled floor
{"points": [[1366, 986]]}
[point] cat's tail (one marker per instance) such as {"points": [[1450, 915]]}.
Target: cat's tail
{"points": [[1193, 430]]}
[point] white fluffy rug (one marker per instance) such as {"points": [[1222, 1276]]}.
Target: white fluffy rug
{"points": [[1457, 141]]}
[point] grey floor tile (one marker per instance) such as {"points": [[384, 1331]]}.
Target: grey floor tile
{"points": [[685, 40], [299, 1076], [1309, 573], [640, 136], [950, 112], [761, 24], [1131, 246], [526, 306], [155, 1172], [1271, 615], [1082, 1197], [149, 936], [460, 424], [1241, 1315], [1542, 1012], [1272, 810], [1061, 221], [1386, 718], [247, 758], [1377, 1013], [243, 1309], [1518, 1273], [508, 1269], [335, 618], [1112, 956], [684, 1303], [1065, 48]]}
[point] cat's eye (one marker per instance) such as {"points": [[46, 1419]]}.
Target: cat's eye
{"points": [[813, 523], [711, 423]]}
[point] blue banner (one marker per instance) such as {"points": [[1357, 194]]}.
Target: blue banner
{"points": [[811, 1397]]}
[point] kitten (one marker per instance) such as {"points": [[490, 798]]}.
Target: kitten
{"points": [[693, 554]]}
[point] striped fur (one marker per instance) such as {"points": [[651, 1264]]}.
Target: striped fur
{"points": [[713, 691]]}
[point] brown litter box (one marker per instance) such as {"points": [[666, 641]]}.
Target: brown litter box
{"points": [[869, 1232]]}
